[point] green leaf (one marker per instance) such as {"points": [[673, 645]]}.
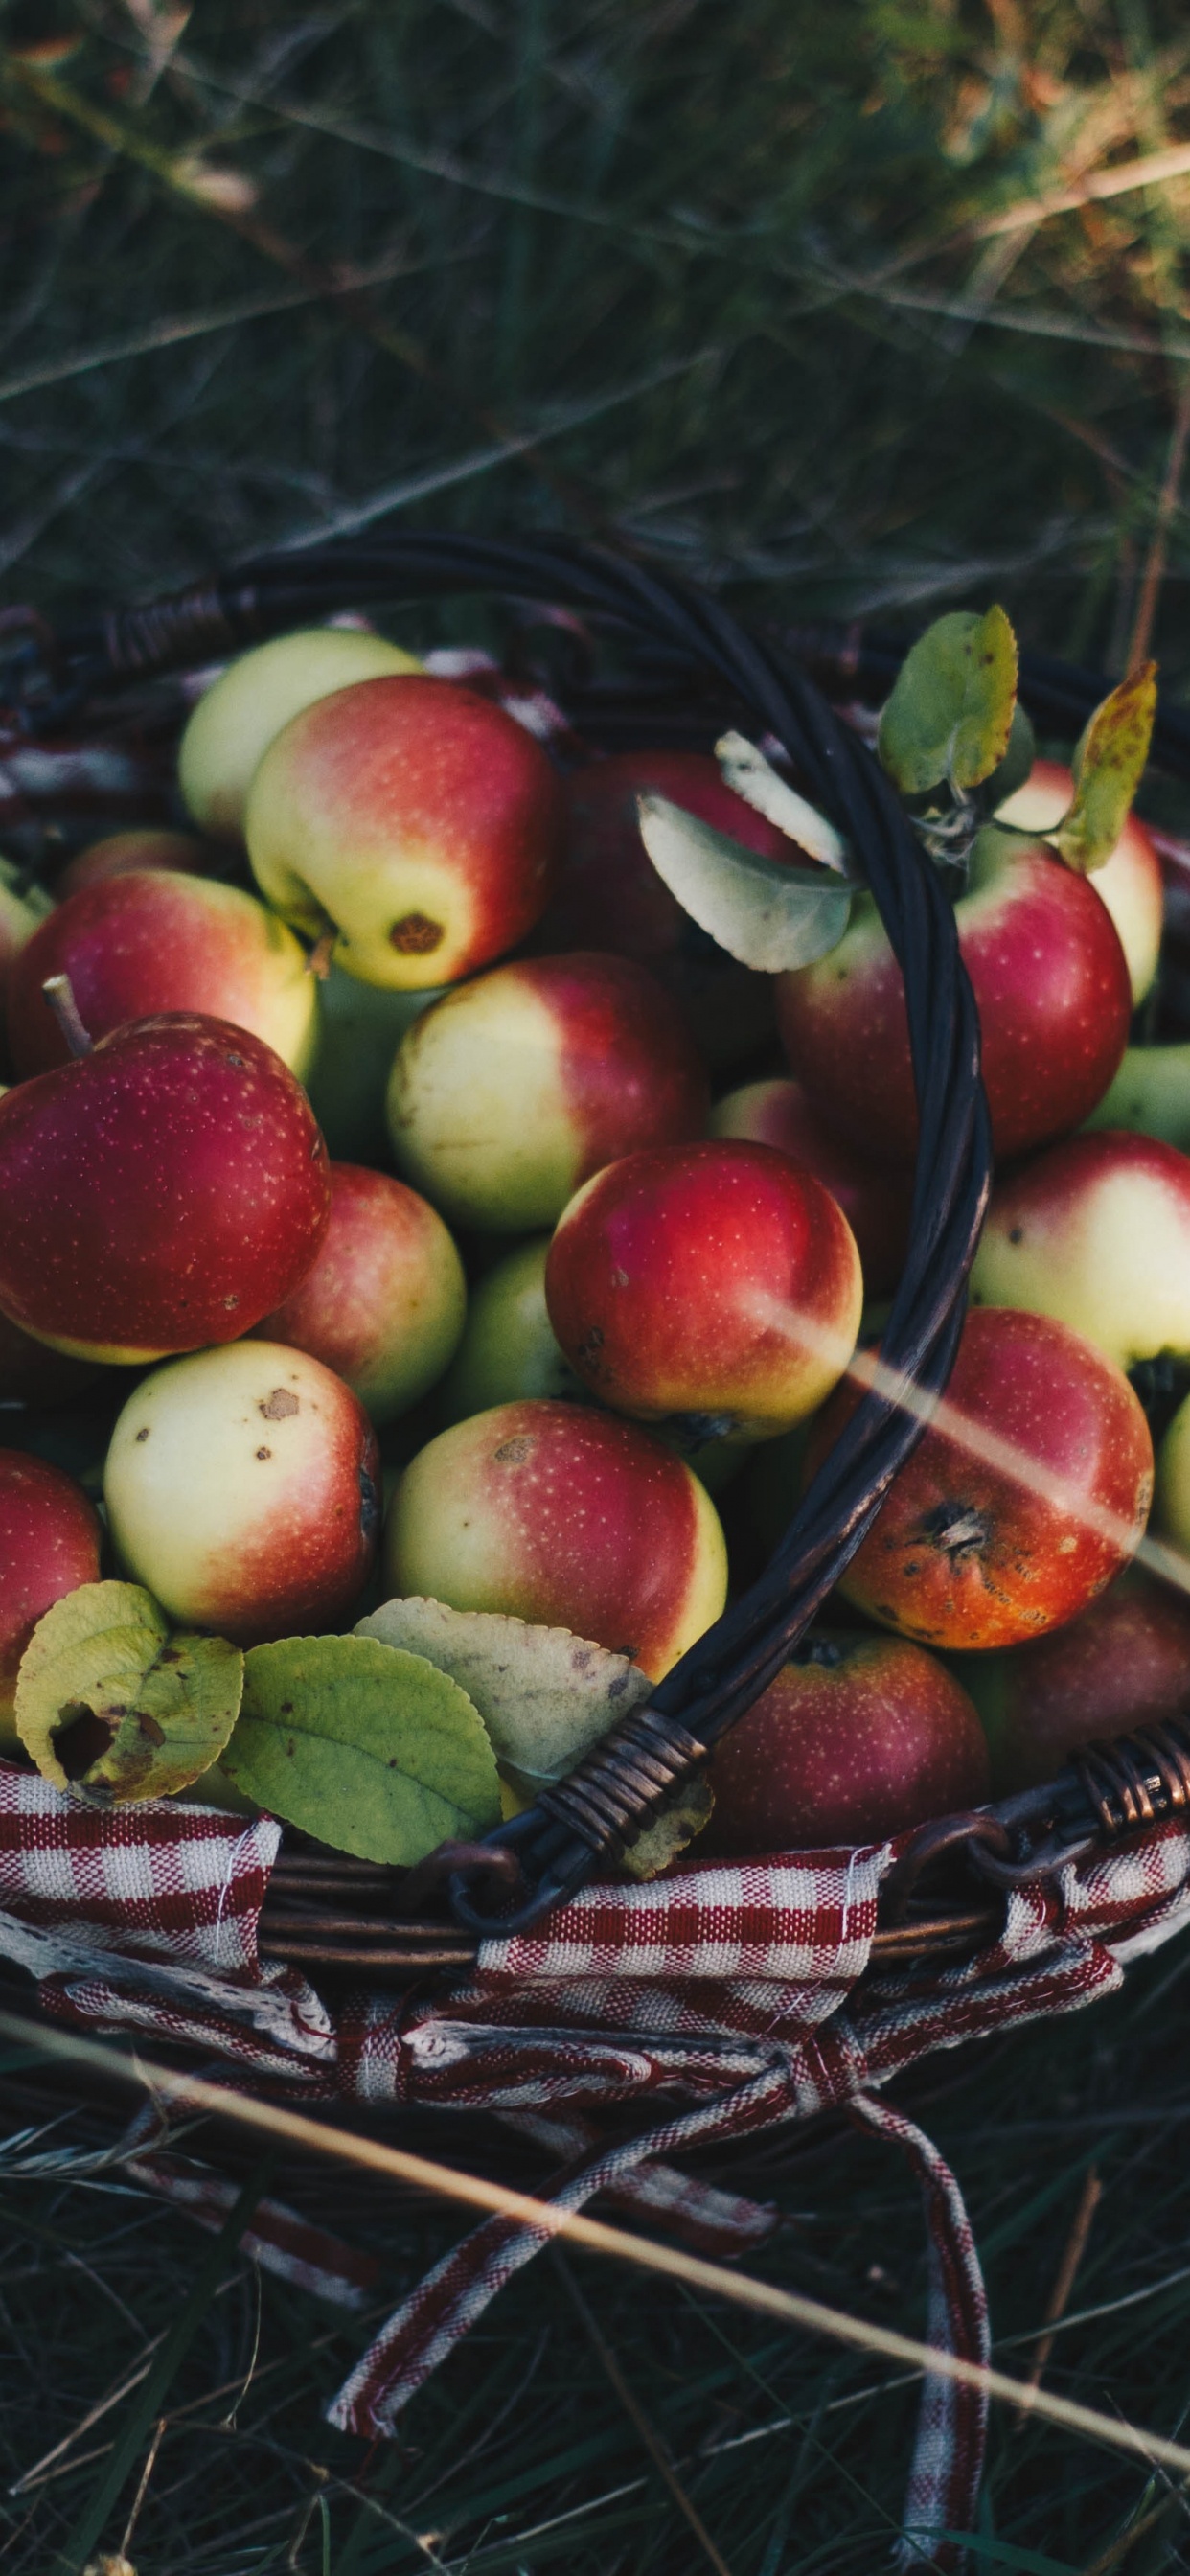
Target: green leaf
{"points": [[743, 768], [768, 915], [114, 1704], [1108, 766], [373, 1750], [671, 1831], [544, 1696], [1016, 765], [949, 719]]}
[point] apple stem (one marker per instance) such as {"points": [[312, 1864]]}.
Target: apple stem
{"points": [[319, 960], [59, 993]]}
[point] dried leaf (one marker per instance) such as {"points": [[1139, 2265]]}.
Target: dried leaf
{"points": [[671, 1831], [113, 1704], [373, 1750], [768, 915], [949, 718], [745, 769], [544, 1696], [1108, 766]]}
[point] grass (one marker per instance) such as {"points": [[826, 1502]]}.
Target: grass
{"points": [[766, 292]]}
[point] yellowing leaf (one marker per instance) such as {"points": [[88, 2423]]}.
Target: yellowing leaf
{"points": [[743, 767], [949, 718], [111, 1703], [768, 915], [671, 1831], [1108, 766], [373, 1750], [544, 1696]]}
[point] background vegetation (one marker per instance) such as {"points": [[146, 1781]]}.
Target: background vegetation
{"points": [[843, 310]]}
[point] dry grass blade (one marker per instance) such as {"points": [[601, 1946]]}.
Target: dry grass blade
{"points": [[1067, 2273]]}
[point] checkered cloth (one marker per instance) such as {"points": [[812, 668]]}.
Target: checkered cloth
{"points": [[724, 2001]]}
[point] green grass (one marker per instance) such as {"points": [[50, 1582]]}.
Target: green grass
{"points": [[711, 281]]}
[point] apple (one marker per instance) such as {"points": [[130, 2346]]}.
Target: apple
{"points": [[976, 1548], [50, 1540], [509, 1347], [160, 1193], [1124, 1663], [510, 1092], [359, 1030], [1171, 1507], [20, 916], [875, 1199], [384, 1300], [151, 941], [1051, 985], [858, 1737], [563, 1516], [242, 1489], [120, 852], [1130, 881], [237, 718], [717, 1280], [609, 894], [1150, 1094], [1097, 1233], [413, 818]]}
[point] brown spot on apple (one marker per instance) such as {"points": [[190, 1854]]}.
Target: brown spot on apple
{"points": [[513, 1453], [415, 935], [279, 1405], [144, 1434], [264, 1453]]}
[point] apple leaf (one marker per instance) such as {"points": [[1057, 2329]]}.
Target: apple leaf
{"points": [[113, 1703], [544, 1696], [671, 1831], [949, 718], [768, 915], [1108, 765], [371, 1749], [743, 767]]}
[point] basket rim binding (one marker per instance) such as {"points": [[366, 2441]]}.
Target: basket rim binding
{"points": [[558, 1842]]}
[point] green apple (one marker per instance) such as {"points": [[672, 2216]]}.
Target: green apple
{"points": [[1150, 1095], [360, 1029], [235, 721], [508, 1347]]}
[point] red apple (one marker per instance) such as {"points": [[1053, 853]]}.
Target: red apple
{"points": [[857, 1738], [1124, 1663], [1097, 1233], [874, 1198], [1051, 985], [1026, 1495], [50, 1538], [242, 1488], [245, 707], [151, 941], [507, 1095], [609, 894], [1129, 883], [561, 1515], [717, 1279], [384, 1300], [119, 853], [161, 1193], [415, 818]]}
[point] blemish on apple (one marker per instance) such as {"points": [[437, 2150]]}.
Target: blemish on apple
{"points": [[277, 1406], [513, 1453], [415, 935]]}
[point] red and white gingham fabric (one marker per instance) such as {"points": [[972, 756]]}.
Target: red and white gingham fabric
{"points": [[720, 1999]]}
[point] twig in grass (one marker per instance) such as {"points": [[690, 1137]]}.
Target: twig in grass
{"points": [[142, 2485], [1064, 2280], [1154, 571], [637, 2417]]}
